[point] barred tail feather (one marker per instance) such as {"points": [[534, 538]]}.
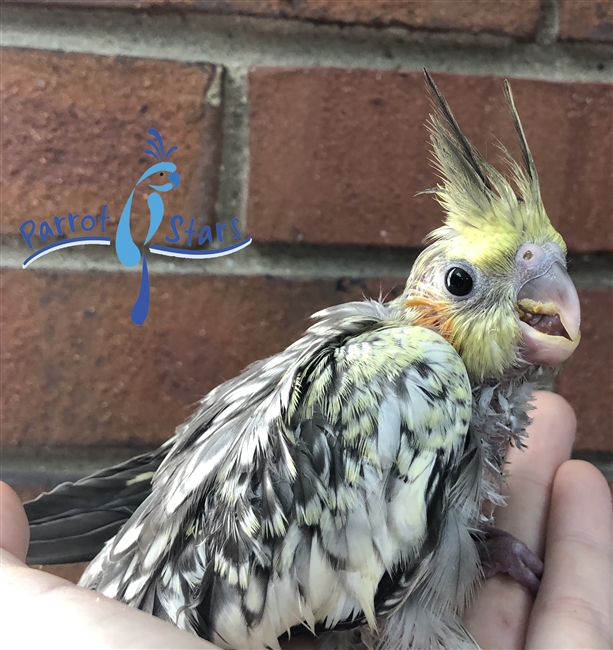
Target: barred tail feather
{"points": [[73, 521]]}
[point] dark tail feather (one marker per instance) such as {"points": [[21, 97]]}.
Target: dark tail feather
{"points": [[73, 521]]}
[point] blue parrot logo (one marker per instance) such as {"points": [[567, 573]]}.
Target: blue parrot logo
{"points": [[161, 177], [58, 233]]}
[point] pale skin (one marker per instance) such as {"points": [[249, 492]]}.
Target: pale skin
{"points": [[560, 508]]}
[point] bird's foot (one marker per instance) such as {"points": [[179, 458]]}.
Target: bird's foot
{"points": [[503, 553]]}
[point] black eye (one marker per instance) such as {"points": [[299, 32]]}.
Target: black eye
{"points": [[161, 173], [458, 282]]}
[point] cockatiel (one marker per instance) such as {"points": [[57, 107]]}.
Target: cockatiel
{"points": [[337, 486]]}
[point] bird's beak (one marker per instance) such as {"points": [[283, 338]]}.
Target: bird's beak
{"points": [[175, 179], [550, 317]]}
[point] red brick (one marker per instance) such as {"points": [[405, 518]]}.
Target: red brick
{"points": [[587, 381], [71, 572], [28, 491], [74, 127], [517, 18], [337, 155], [76, 371], [586, 20]]}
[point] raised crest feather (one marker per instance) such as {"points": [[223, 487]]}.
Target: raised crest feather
{"points": [[473, 190], [469, 153], [531, 176]]}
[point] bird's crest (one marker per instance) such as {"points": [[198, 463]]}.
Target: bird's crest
{"points": [[474, 194], [158, 151]]}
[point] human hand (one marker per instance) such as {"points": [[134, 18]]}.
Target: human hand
{"points": [[562, 509]]}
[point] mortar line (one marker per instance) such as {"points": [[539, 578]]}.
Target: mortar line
{"points": [[290, 261], [548, 29], [231, 40], [234, 168]]}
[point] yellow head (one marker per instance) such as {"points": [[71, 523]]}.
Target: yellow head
{"points": [[493, 281]]}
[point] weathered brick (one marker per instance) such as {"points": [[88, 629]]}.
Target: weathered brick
{"points": [[518, 18], [71, 572], [27, 491], [337, 155], [587, 381], [74, 128], [76, 371], [586, 20]]}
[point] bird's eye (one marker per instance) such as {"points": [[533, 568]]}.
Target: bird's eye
{"points": [[458, 281], [161, 173]]}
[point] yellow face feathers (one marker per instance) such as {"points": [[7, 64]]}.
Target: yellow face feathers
{"points": [[466, 283]]}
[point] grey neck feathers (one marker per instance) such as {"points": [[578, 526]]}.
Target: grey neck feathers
{"points": [[500, 417]]}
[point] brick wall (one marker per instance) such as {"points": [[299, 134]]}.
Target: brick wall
{"points": [[304, 119]]}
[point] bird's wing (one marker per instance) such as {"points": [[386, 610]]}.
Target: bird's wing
{"points": [[324, 442]]}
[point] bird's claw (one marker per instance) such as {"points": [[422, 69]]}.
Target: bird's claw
{"points": [[501, 552]]}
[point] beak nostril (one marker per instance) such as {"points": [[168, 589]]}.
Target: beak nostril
{"points": [[532, 260]]}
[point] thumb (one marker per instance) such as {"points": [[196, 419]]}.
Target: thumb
{"points": [[14, 530]]}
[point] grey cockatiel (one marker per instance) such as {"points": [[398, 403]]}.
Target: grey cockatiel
{"points": [[337, 486]]}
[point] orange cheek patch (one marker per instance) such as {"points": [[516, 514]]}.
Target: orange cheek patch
{"points": [[433, 315]]}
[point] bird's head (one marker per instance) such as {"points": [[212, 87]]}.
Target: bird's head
{"points": [[161, 177], [493, 281]]}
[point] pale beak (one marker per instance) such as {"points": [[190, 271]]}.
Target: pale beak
{"points": [[550, 317]]}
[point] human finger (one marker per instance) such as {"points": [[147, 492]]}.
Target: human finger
{"points": [[14, 531], [573, 606], [499, 616]]}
